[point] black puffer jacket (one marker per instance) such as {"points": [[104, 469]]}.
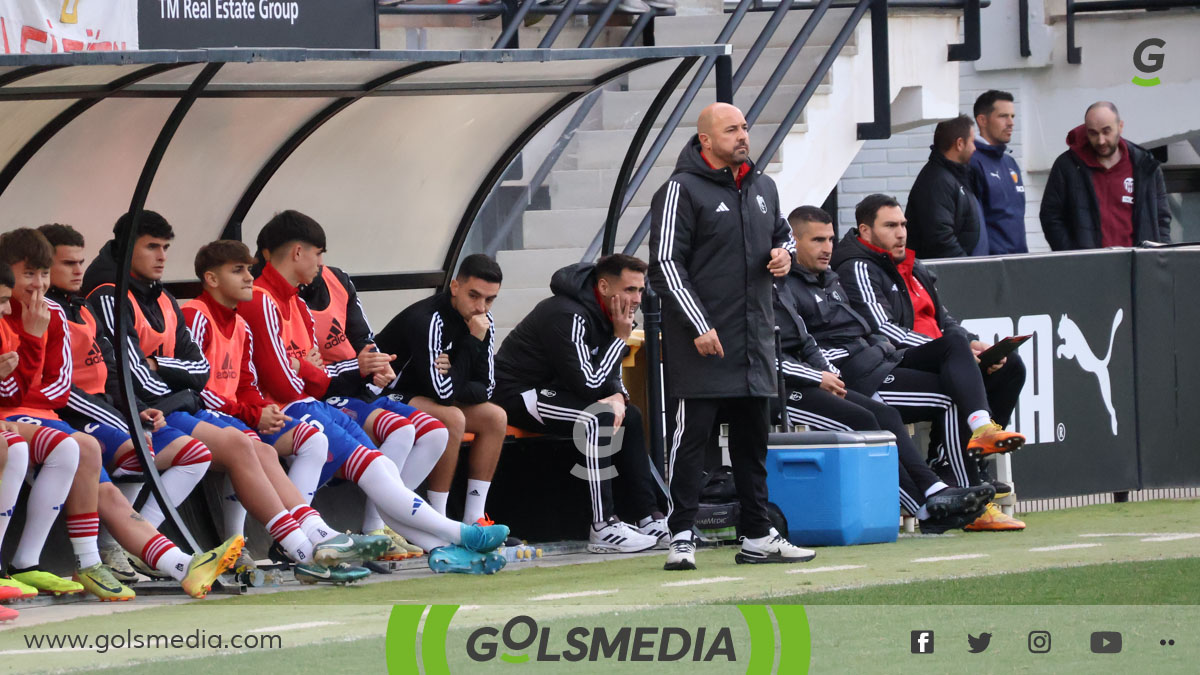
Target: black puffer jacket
{"points": [[942, 212], [1070, 213], [566, 343], [710, 242], [865, 358], [878, 292]]}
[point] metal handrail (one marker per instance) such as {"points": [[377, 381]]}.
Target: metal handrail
{"points": [[543, 171], [664, 135]]}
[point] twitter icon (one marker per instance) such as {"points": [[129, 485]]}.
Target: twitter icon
{"points": [[979, 644]]}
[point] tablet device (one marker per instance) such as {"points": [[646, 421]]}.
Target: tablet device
{"points": [[994, 354]]}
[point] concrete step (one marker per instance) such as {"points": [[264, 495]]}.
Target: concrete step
{"points": [[532, 268], [572, 228], [625, 109], [703, 29], [651, 77], [592, 188], [606, 149]]}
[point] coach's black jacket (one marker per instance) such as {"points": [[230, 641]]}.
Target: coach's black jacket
{"points": [[846, 339], [710, 243], [943, 214], [427, 328], [877, 291], [566, 343]]}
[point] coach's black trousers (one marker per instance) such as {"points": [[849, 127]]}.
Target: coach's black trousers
{"points": [[821, 410], [690, 427]]}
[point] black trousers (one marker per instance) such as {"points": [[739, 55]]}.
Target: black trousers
{"points": [[608, 454], [824, 411], [690, 428], [940, 382]]}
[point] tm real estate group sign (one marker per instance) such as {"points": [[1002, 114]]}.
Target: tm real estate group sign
{"points": [[54, 26]]}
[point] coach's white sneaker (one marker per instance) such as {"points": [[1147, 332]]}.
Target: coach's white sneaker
{"points": [[658, 529], [615, 536], [772, 548], [682, 554]]}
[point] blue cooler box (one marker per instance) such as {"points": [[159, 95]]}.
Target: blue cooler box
{"points": [[835, 488]]}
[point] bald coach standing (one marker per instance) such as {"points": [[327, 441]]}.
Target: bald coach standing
{"points": [[718, 237]]}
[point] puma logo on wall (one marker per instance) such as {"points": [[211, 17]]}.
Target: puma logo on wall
{"points": [[1075, 346]]}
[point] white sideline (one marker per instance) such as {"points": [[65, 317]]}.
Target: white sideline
{"points": [[697, 582], [943, 558], [1064, 547], [295, 626], [564, 596], [830, 568]]}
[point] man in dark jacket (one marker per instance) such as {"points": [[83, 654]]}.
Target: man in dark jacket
{"points": [[559, 372], [444, 347], [995, 176], [1104, 190], [817, 397], [898, 296], [947, 221], [938, 378], [717, 238]]}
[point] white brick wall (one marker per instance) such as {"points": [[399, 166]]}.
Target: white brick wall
{"points": [[891, 165]]}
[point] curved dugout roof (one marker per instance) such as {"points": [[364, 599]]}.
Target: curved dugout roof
{"points": [[401, 145]]}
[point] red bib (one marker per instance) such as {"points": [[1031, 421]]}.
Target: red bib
{"points": [[90, 371], [154, 343], [330, 323], [224, 353]]}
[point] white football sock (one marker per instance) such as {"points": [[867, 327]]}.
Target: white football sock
{"points": [[45, 500], [284, 529], [233, 514], [10, 482], [437, 500], [400, 506], [476, 502], [307, 461], [186, 470], [427, 450], [978, 419], [313, 525]]}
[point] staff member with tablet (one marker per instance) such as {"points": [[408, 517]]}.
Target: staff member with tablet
{"points": [[899, 296]]}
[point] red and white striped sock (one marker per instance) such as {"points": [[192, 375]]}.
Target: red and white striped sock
{"points": [[12, 478], [58, 455], [428, 446], [165, 557], [82, 528], [186, 470], [284, 529], [313, 525], [400, 506], [310, 451]]}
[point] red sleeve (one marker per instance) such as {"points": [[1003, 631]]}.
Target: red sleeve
{"points": [[270, 359], [30, 354], [249, 406], [57, 366]]}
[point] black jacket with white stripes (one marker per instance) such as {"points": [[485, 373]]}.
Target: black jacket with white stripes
{"points": [[710, 242], [565, 344], [168, 387], [428, 328], [878, 292], [803, 361], [864, 357]]}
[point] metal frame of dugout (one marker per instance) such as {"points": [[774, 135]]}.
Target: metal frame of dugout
{"points": [[220, 137]]}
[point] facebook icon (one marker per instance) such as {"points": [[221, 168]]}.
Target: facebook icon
{"points": [[922, 642]]}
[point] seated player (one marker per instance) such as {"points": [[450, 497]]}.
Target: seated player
{"points": [[291, 246], [70, 460], [445, 345], [170, 373], [358, 371], [898, 295], [817, 397], [181, 460], [939, 378], [559, 372]]}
